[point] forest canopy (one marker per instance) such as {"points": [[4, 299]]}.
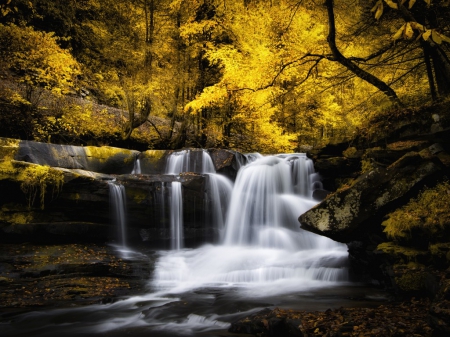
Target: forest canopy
{"points": [[250, 75]]}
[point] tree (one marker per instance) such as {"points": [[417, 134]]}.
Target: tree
{"points": [[39, 65], [426, 21], [347, 63]]}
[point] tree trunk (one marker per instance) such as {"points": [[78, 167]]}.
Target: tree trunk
{"points": [[361, 73], [441, 65], [136, 121]]}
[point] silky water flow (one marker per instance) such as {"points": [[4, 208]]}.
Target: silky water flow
{"points": [[263, 259]]}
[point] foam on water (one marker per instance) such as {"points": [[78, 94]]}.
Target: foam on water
{"points": [[263, 248]]}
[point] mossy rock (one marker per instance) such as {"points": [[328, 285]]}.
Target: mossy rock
{"points": [[153, 161], [412, 281], [104, 159], [400, 254]]}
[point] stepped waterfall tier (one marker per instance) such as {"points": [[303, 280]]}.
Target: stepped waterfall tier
{"points": [[262, 246]]}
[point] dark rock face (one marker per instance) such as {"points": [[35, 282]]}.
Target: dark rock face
{"points": [[342, 216], [80, 210], [108, 160]]}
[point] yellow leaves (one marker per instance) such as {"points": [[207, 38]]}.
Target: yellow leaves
{"points": [[391, 4], [194, 29], [38, 57], [408, 32], [435, 36], [426, 35], [378, 9]]}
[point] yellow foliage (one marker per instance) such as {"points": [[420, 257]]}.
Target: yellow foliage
{"points": [[429, 213], [78, 121], [38, 58], [36, 179]]}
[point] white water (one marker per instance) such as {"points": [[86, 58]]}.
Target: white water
{"points": [[263, 248], [218, 187], [176, 216], [118, 206], [136, 167]]}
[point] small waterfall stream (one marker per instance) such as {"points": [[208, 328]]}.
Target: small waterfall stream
{"points": [[118, 206], [137, 166], [176, 216]]}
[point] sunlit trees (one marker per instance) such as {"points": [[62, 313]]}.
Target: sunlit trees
{"points": [[40, 65], [426, 23], [251, 75]]}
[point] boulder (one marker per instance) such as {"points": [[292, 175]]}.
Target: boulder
{"points": [[103, 159], [343, 216]]}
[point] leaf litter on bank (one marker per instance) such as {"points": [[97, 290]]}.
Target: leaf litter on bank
{"points": [[402, 319]]}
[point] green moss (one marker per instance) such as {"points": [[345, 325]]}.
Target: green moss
{"points": [[440, 250], [429, 215], [411, 281], [16, 218], [153, 157], [34, 179], [9, 142], [155, 154], [350, 152], [138, 195], [367, 165], [400, 253]]}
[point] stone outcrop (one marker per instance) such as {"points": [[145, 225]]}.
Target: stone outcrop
{"points": [[371, 178], [379, 180], [345, 215], [60, 193]]}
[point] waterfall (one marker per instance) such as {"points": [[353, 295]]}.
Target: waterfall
{"points": [[269, 195], [118, 206], [176, 216], [137, 166], [263, 245], [263, 260], [218, 187]]}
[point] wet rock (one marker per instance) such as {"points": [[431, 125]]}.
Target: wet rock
{"points": [[227, 162], [268, 323], [68, 274], [342, 216], [320, 194], [103, 159]]}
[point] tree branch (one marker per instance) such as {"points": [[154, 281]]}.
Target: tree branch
{"points": [[361, 73]]}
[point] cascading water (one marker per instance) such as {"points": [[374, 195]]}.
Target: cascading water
{"points": [[117, 201], [263, 246], [219, 187], [176, 216], [136, 167]]}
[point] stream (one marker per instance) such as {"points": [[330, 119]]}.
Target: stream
{"points": [[263, 260]]}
